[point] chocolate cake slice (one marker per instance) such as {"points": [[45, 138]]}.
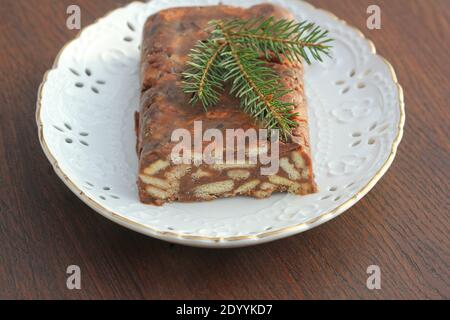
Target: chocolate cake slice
{"points": [[168, 37]]}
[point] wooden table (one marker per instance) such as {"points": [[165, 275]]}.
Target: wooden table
{"points": [[402, 225]]}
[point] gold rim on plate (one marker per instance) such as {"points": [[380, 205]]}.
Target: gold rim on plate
{"points": [[174, 236]]}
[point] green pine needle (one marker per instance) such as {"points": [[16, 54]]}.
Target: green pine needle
{"points": [[233, 54], [281, 37], [204, 77], [259, 89]]}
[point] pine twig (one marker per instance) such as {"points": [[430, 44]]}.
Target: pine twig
{"points": [[204, 79], [233, 54], [259, 88], [281, 37]]}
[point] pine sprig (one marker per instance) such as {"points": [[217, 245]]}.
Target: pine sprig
{"points": [[233, 54], [281, 37], [204, 77], [259, 89]]}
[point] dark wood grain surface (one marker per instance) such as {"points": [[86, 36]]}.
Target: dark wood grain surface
{"points": [[402, 225]]}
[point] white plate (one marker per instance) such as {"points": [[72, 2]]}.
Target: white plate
{"points": [[85, 118]]}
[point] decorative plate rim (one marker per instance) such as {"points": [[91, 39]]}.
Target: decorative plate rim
{"points": [[207, 241]]}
